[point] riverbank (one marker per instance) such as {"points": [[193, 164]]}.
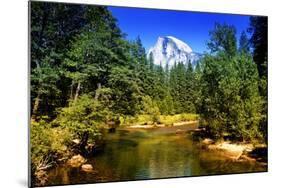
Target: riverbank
{"points": [[149, 121], [238, 151], [151, 126]]}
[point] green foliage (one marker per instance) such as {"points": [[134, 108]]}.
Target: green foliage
{"points": [[167, 105], [259, 30], [71, 49], [47, 143], [150, 107], [244, 44], [259, 42], [183, 88], [222, 38], [84, 74], [125, 91], [53, 27], [145, 119], [170, 119], [83, 116], [231, 102]]}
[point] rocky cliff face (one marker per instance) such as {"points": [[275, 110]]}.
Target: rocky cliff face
{"points": [[170, 50]]}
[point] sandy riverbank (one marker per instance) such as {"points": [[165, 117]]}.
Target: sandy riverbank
{"points": [[178, 124], [237, 151]]}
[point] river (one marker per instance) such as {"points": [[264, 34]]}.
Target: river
{"points": [[136, 154]]}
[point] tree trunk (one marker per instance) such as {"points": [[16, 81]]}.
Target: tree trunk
{"points": [[44, 20], [77, 91], [35, 107], [97, 92], [84, 142], [71, 91]]}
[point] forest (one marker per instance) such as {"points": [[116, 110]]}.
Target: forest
{"points": [[85, 75]]}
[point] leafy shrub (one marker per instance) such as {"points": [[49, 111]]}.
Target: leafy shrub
{"points": [[83, 117], [47, 144], [150, 107]]}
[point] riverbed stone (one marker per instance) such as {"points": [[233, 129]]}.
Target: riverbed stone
{"points": [[232, 151], [179, 131], [76, 161], [41, 177], [207, 141], [87, 167], [76, 141]]}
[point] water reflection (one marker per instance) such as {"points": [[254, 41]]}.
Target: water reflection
{"points": [[146, 154]]}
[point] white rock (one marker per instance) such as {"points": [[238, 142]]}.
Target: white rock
{"points": [[170, 50], [76, 161], [87, 167]]}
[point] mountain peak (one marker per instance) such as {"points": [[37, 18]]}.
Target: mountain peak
{"points": [[170, 50]]}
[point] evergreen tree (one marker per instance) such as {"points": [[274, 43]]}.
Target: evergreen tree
{"points": [[126, 92], [222, 38], [231, 103], [52, 28], [259, 31], [244, 46], [259, 42], [197, 97]]}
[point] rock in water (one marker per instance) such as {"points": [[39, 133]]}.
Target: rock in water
{"points": [[41, 177], [87, 167], [207, 141], [232, 151], [179, 131], [76, 161]]}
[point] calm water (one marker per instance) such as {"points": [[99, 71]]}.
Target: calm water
{"points": [[145, 154]]}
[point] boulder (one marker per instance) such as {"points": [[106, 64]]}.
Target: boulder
{"points": [[232, 151], [207, 141], [179, 131], [76, 141], [41, 177], [76, 161], [87, 167]]}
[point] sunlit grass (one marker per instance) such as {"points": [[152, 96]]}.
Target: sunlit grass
{"points": [[163, 119], [170, 119]]}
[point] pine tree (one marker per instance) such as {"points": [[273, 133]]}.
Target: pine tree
{"points": [[244, 46], [259, 31], [259, 43], [231, 103], [222, 38], [52, 28]]}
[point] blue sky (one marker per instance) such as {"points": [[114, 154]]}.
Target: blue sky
{"points": [[190, 27]]}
